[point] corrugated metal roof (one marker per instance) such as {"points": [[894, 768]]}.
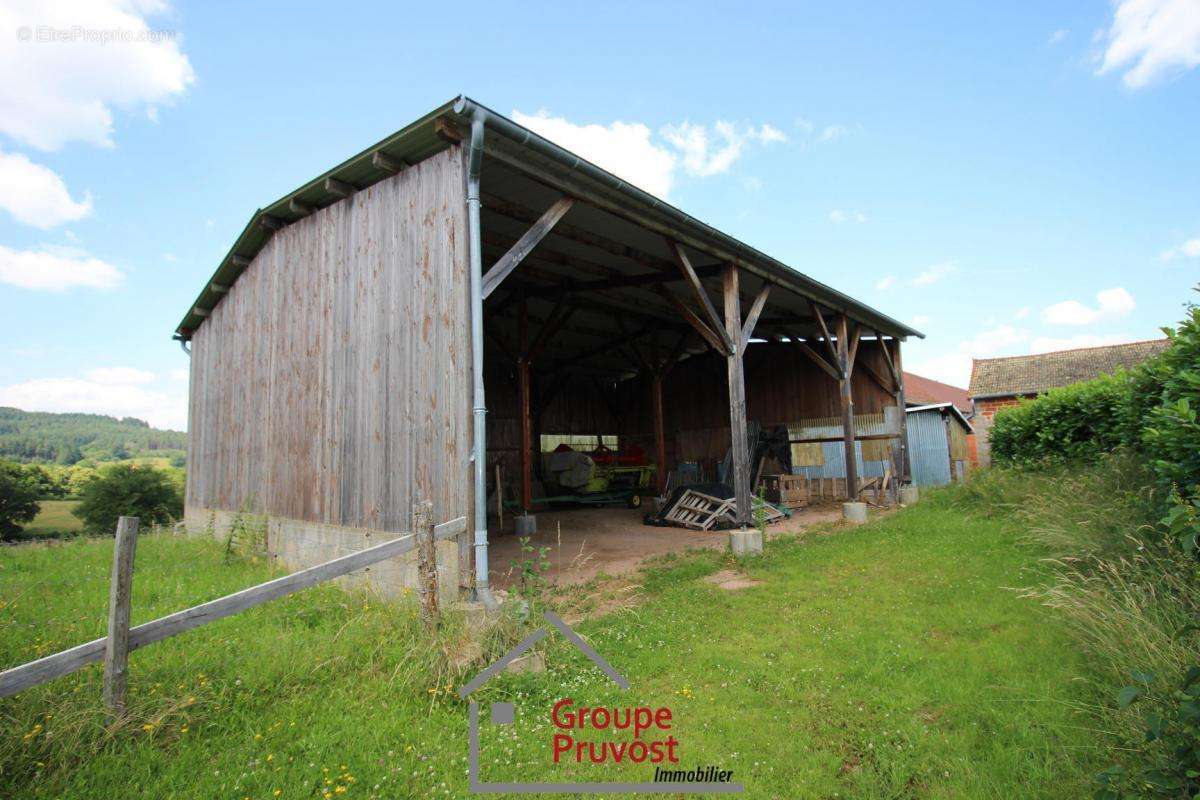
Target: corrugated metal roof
{"points": [[435, 132]]}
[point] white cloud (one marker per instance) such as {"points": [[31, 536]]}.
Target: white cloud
{"points": [[935, 273], [1022, 312], [1189, 249], [768, 133], [624, 149], [839, 216], [631, 151], [1048, 344], [702, 156], [103, 55], [36, 195], [921, 320], [832, 133], [161, 409], [952, 364], [1058, 35], [178, 374], [1111, 303], [56, 269], [1152, 39], [112, 376], [885, 283]]}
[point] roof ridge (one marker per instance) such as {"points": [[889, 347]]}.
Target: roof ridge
{"points": [[1068, 350]]}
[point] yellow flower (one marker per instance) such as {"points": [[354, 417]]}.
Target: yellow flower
{"points": [[184, 729], [147, 727], [278, 792], [270, 757], [257, 737]]}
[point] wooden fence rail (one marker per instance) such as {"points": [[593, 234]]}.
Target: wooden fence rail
{"points": [[68, 661]]}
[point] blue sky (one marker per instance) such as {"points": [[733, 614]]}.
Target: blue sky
{"points": [[1008, 177]]}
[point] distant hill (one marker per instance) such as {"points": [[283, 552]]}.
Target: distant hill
{"points": [[34, 436]]}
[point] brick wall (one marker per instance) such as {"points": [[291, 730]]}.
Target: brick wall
{"points": [[985, 412]]}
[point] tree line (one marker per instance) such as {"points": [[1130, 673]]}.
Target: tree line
{"points": [[66, 439]]}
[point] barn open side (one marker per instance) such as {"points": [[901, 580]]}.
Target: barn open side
{"points": [[416, 323]]}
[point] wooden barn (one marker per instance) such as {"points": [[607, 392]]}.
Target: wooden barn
{"points": [[424, 320]]}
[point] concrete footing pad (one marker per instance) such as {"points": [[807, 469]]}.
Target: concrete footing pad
{"points": [[909, 495], [526, 524], [746, 542], [855, 513]]}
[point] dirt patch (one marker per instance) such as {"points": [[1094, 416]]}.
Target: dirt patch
{"points": [[731, 581]]}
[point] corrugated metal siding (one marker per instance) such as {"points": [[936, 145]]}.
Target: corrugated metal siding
{"points": [[333, 382], [835, 452], [929, 450]]}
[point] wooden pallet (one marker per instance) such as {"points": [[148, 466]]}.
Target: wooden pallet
{"points": [[701, 512], [698, 511]]}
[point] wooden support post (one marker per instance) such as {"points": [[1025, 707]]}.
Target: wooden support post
{"points": [[737, 397], [525, 405], [905, 462], [116, 650], [525, 390], [427, 575], [660, 439], [846, 365]]}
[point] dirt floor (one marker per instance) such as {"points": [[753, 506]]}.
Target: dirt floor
{"points": [[584, 542]]}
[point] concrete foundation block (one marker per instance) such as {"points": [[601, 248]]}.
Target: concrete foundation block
{"points": [[909, 495], [526, 524], [855, 513], [746, 542]]}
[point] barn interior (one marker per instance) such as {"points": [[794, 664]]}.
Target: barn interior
{"points": [[609, 353]]}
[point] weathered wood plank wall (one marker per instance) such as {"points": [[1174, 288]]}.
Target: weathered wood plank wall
{"points": [[333, 383]]}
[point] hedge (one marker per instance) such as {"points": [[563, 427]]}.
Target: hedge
{"points": [[1152, 409]]}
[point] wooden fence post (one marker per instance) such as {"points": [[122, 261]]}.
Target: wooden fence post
{"points": [[427, 577], [116, 650]]}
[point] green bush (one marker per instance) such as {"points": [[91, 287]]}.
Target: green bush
{"points": [[19, 493], [1076, 421], [1171, 432], [129, 491]]}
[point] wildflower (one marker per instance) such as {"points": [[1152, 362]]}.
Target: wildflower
{"points": [[270, 757], [258, 737], [147, 727], [184, 729], [278, 792]]}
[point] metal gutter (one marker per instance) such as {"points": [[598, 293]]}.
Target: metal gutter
{"points": [[479, 405]]}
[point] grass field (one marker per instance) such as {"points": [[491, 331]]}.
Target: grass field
{"points": [[889, 661], [54, 519]]}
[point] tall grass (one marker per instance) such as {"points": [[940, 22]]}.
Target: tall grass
{"points": [[1123, 586]]}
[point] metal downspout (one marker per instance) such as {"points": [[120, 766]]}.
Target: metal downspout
{"points": [[479, 406]]}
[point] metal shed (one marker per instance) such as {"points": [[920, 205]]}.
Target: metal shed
{"points": [[937, 441], [393, 329]]}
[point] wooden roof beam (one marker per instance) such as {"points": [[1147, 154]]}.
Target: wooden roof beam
{"points": [[515, 211], [693, 280], [529, 240]]}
